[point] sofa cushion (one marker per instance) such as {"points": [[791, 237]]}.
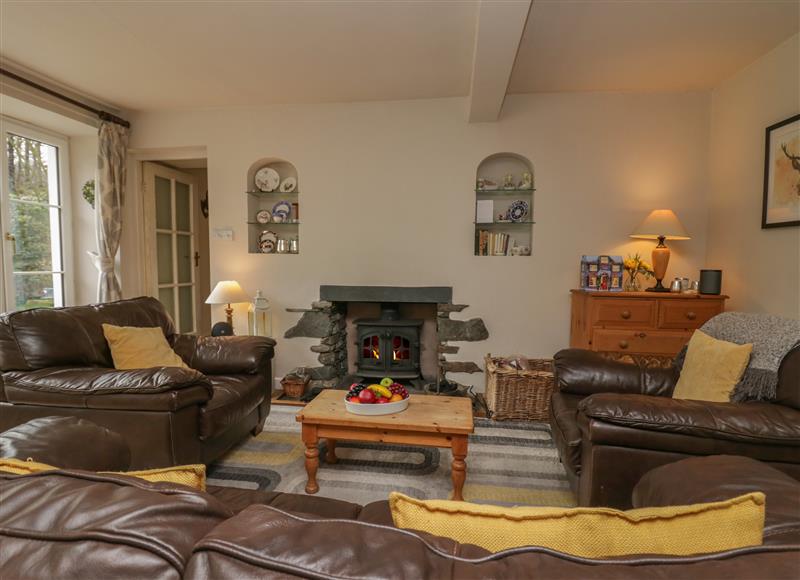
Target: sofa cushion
{"points": [[762, 423], [68, 442], [225, 355], [238, 499], [721, 477], [680, 530], [564, 423], [73, 336], [135, 347], [81, 525], [234, 398]]}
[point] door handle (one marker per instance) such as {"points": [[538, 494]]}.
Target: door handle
{"points": [[196, 259], [13, 239]]}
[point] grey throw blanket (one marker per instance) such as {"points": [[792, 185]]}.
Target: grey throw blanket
{"points": [[772, 337]]}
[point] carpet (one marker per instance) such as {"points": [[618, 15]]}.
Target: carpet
{"points": [[509, 463]]}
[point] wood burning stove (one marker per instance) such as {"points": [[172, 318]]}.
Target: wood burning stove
{"points": [[388, 346]]}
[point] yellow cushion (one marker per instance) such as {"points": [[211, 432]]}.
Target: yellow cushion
{"points": [[590, 532], [190, 475], [140, 348], [711, 369]]}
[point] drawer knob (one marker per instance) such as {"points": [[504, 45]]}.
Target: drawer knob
{"points": [[626, 314], [691, 315], [642, 335], [623, 344]]}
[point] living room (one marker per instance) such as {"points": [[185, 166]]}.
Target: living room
{"points": [[469, 177]]}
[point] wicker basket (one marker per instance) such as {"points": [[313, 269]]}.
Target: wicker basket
{"points": [[516, 394], [294, 386]]}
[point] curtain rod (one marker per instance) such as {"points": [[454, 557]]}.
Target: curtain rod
{"points": [[102, 115]]}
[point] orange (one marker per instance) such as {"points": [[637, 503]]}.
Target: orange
{"points": [[396, 397]]}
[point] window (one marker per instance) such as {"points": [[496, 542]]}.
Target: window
{"points": [[34, 208]]}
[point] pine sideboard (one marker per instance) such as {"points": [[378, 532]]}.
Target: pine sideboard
{"points": [[639, 323]]}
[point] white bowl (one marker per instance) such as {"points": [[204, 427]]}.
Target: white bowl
{"points": [[376, 408]]}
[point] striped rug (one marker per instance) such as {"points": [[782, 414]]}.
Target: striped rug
{"points": [[509, 463]]}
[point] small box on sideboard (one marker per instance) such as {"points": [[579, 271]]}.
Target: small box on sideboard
{"points": [[639, 323]]}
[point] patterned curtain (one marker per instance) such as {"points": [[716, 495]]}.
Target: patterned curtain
{"points": [[109, 191]]}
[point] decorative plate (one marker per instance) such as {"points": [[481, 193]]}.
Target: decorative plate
{"points": [[264, 216], [518, 210], [268, 235], [288, 185], [266, 246], [267, 179], [282, 208]]}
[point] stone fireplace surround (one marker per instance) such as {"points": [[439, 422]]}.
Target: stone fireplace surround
{"points": [[330, 319]]}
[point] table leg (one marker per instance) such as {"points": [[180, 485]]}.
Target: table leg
{"points": [[330, 456], [312, 457], [458, 468]]}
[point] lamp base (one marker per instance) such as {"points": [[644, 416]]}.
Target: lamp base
{"points": [[659, 287]]}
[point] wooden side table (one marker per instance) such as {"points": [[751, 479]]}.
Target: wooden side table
{"points": [[430, 421], [639, 323]]}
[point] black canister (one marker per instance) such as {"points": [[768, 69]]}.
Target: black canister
{"points": [[710, 281]]}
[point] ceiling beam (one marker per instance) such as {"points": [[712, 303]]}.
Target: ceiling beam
{"points": [[497, 37]]}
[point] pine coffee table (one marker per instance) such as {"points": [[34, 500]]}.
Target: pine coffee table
{"points": [[430, 421]]}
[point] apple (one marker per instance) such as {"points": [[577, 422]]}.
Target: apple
{"points": [[381, 400], [354, 400], [386, 382], [366, 396]]}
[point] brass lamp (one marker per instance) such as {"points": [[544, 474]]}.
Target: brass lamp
{"points": [[227, 292], [661, 224]]}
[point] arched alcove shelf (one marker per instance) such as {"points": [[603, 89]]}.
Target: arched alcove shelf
{"points": [[263, 207], [504, 188]]}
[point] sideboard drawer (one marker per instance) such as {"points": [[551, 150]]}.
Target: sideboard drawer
{"points": [[687, 314], [625, 313], [639, 341]]}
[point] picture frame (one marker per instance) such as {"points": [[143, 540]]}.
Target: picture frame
{"points": [[601, 273], [781, 204]]}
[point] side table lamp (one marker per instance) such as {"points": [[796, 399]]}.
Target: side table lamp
{"points": [[227, 292], [661, 224]]}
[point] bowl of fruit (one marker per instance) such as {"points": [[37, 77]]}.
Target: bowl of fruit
{"points": [[382, 398]]}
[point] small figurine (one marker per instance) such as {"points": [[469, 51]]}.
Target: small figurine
{"points": [[508, 182], [527, 181], [484, 184]]}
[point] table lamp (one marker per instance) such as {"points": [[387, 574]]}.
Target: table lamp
{"points": [[227, 292], [661, 224]]}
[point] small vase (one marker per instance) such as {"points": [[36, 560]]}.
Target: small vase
{"points": [[632, 285]]}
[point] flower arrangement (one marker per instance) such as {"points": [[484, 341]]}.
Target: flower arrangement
{"points": [[635, 265]]}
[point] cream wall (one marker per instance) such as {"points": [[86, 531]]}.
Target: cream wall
{"points": [[761, 268], [83, 162], [387, 198]]}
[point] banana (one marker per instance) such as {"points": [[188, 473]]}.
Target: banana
{"points": [[381, 390]]}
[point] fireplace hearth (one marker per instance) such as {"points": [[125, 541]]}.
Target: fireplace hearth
{"points": [[388, 346]]}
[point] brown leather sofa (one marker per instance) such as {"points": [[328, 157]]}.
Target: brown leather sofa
{"points": [[77, 524], [57, 362], [613, 422]]}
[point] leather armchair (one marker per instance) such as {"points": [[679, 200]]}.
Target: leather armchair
{"points": [[56, 362], [613, 422]]}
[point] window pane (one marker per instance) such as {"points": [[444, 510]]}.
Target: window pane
{"points": [[32, 170], [163, 204], [184, 258], [183, 207], [186, 323], [30, 225], [164, 251], [167, 297], [38, 291]]}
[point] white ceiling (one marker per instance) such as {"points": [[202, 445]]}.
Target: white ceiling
{"points": [[646, 45], [143, 55]]}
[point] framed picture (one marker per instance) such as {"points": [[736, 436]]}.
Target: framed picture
{"points": [[602, 273], [781, 206]]}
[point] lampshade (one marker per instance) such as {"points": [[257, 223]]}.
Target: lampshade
{"points": [[661, 222], [227, 292]]}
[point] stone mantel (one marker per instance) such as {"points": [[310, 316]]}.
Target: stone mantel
{"points": [[416, 294]]}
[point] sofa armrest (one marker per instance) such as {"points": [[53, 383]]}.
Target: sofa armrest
{"points": [[583, 372], [760, 423], [68, 443], [226, 355]]}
